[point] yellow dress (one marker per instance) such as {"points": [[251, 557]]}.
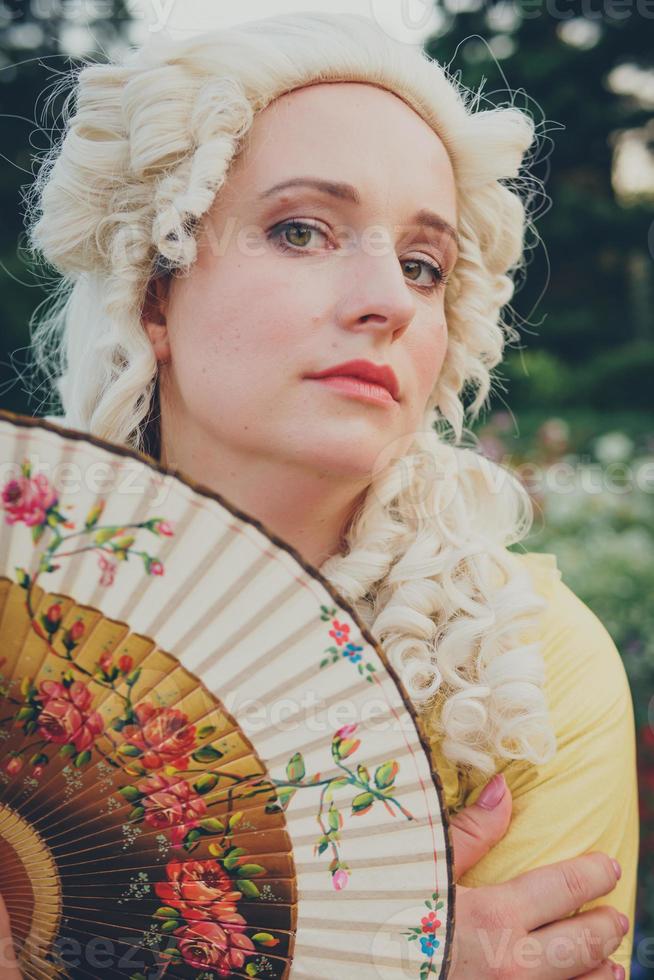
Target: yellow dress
{"points": [[586, 797]]}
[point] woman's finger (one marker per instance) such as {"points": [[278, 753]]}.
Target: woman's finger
{"points": [[551, 893], [576, 946], [606, 971]]}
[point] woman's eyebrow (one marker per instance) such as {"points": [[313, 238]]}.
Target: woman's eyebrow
{"points": [[346, 192]]}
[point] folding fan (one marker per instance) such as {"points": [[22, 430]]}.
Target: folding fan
{"points": [[208, 767]]}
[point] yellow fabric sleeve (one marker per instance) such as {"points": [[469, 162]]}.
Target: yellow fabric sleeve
{"points": [[586, 797]]}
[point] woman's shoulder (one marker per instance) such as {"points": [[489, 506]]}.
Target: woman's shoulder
{"points": [[583, 666], [585, 683]]}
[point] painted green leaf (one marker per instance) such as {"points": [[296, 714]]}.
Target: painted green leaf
{"points": [[386, 773], [247, 888], [206, 753], [132, 678], [250, 870], [296, 770], [206, 782], [206, 730], [362, 802], [82, 758], [37, 532], [213, 825], [166, 912], [333, 817], [232, 859], [130, 793], [130, 750]]}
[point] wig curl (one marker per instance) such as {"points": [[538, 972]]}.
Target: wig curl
{"points": [[145, 148]]}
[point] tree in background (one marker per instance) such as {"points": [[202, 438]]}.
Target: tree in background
{"points": [[39, 40], [589, 291]]}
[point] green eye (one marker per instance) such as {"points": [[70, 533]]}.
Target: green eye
{"points": [[294, 235], [302, 232]]}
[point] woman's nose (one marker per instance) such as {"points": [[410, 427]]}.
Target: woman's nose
{"points": [[377, 294]]}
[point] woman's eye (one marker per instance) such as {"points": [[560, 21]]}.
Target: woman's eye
{"points": [[436, 276], [296, 236]]}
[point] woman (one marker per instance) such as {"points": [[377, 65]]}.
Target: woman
{"points": [[240, 212]]}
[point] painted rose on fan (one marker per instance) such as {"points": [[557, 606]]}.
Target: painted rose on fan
{"points": [[27, 499], [170, 803], [31, 500], [214, 946], [212, 937], [163, 735], [65, 718], [199, 890]]}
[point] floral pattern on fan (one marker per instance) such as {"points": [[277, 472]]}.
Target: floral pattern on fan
{"points": [[201, 914], [345, 648], [155, 744], [426, 934], [368, 791], [33, 501], [199, 927]]}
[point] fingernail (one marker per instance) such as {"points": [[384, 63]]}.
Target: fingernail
{"points": [[625, 923], [493, 792], [616, 865], [618, 971]]}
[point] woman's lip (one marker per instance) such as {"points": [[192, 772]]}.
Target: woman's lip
{"points": [[357, 388]]}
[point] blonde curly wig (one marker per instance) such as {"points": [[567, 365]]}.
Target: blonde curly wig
{"points": [[145, 147]]}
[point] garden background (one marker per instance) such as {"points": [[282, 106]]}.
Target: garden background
{"points": [[572, 409]]}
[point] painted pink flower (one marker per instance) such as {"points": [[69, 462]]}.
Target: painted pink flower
{"points": [[210, 946], [65, 717], [340, 879], [27, 499], [164, 527], [163, 735], [108, 566], [346, 731], [171, 804], [77, 630], [53, 613], [340, 633], [125, 663], [430, 923], [156, 568], [200, 890], [14, 765], [105, 662]]}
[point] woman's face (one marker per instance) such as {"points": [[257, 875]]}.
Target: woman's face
{"points": [[291, 282]]}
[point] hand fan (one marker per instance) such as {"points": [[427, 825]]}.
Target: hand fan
{"points": [[208, 767]]}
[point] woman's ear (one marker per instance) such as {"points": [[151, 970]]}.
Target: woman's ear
{"points": [[153, 317]]}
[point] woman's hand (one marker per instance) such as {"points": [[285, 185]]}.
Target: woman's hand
{"points": [[8, 965], [522, 929]]}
